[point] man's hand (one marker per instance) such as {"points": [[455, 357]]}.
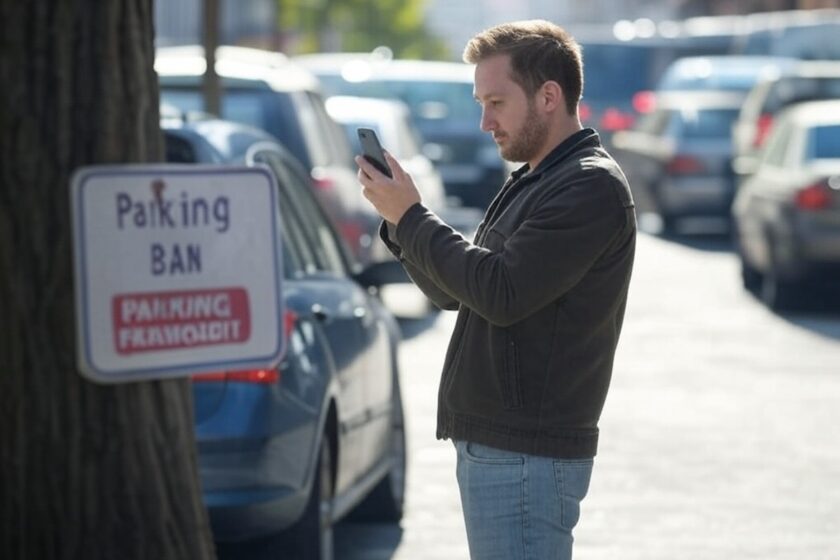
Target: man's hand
{"points": [[391, 197]]}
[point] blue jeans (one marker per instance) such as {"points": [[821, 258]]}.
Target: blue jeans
{"points": [[517, 506]]}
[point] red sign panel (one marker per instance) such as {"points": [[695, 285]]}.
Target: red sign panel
{"points": [[150, 321]]}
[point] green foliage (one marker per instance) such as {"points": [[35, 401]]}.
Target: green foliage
{"points": [[359, 26]]}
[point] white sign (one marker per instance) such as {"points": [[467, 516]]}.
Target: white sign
{"points": [[177, 270]]}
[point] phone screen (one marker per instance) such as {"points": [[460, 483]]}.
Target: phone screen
{"points": [[372, 150]]}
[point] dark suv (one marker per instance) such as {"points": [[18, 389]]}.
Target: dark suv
{"points": [[440, 98], [265, 90]]}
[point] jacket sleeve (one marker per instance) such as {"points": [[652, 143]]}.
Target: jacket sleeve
{"points": [[387, 232], [541, 259]]}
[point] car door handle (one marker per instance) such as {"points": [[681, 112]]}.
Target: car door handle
{"points": [[320, 313]]}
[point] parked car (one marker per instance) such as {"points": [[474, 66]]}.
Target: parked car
{"points": [[440, 97], [285, 453], [267, 91], [679, 155], [392, 122], [620, 76], [807, 81], [720, 73], [809, 34], [787, 215]]}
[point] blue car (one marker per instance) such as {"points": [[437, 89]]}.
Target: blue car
{"points": [[284, 453]]}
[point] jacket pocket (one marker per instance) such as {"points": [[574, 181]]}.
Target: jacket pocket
{"points": [[494, 240], [509, 374]]}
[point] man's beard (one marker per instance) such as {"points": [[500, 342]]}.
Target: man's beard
{"points": [[529, 140]]}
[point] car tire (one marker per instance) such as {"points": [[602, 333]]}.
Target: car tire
{"points": [[385, 502], [750, 277], [669, 225], [778, 294], [311, 538]]}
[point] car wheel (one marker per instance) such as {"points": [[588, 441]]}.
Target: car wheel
{"points": [[750, 277], [669, 224], [776, 293], [385, 502], [311, 538]]}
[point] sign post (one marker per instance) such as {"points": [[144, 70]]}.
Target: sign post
{"points": [[177, 270]]}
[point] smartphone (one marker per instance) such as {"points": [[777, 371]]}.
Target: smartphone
{"points": [[372, 150]]}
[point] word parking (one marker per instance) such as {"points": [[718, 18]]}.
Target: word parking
{"points": [[179, 213]]}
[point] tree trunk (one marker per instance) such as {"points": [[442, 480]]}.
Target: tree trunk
{"points": [[86, 471]]}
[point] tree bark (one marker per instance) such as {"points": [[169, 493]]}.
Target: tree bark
{"points": [[86, 470]]}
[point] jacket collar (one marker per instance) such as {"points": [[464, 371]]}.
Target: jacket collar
{"points": [[586, 137]]}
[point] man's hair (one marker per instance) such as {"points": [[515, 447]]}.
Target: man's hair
{"points": [[539, 51]]}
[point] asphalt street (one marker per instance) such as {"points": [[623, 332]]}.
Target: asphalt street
{"points": [[719, 439]]}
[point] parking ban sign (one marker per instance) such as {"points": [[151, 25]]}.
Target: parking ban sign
{"points": [[177, 270]]}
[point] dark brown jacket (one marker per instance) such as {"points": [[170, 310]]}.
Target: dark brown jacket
{"points": [[541, 294]]}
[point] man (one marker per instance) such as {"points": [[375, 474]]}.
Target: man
{"points": [[540, 295]]}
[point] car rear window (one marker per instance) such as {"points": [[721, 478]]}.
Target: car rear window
{"points": [[614, 72], [617, 71], [799, 89], [428, 100], [271, 111], [807, 42], [704, 75], [707, 123], [824, 143]]}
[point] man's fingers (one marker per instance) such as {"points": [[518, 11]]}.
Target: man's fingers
{"points": [[364, 166], [396, 169]]}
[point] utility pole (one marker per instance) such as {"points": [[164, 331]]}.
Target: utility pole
{"points": [[210, 38]]}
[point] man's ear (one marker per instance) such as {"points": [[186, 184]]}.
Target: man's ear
{"points": [[551, 96]]}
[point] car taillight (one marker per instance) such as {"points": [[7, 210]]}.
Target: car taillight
{"points": [[644, 102], [258, 376], [762, 129], [614, 120], [813, 197], [323, 183], [684, 165]]}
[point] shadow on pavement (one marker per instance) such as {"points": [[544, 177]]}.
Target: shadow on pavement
{"points": [[352, 541], [708, 242], [817, 311], [366, 541], [702, 234]]}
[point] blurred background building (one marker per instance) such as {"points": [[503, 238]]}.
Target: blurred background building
{"points": [[265, 23], [253, 23]]}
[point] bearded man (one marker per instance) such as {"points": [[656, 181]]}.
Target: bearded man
{"points": [[540, 294]]}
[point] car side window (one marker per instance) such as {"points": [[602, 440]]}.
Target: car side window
{"points": [[339, 150], [824, 142], [316, 241], [292, 262], [302, 257], [777, 147], [312, 130], [179, 150]]}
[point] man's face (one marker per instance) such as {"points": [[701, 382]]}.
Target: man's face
{"points": [[508, 113]]}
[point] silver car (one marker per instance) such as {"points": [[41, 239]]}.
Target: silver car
{"points": [[678, 156], [807, 81], [787, 215], [392, 122]]}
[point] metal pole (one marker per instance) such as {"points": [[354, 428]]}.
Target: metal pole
{"points": [[210, 39]]}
